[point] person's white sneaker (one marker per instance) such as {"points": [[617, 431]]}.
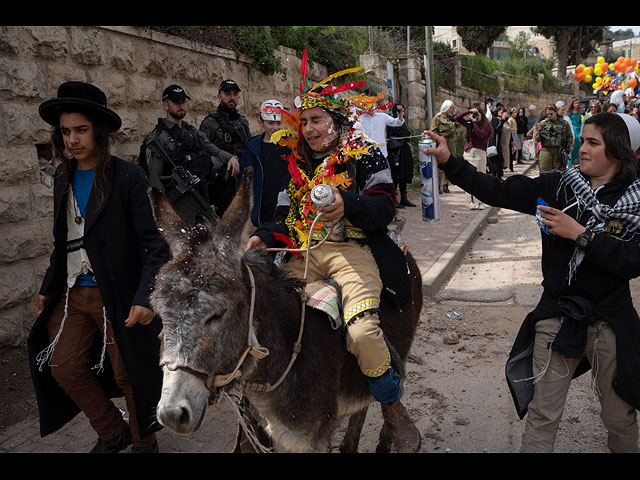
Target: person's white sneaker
{"points": [[481, 206], [472, 206]]}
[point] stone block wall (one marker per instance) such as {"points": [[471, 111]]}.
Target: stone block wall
{"points": [[132, 66]]}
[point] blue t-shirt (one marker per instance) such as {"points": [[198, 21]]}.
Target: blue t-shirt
{"points": [[82, 184]]}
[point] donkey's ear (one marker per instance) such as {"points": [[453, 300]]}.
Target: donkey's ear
{"points": [[235, 217], [169, 222]]}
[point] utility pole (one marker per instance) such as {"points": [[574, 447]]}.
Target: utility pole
{"points": [[371, 40], [428, 63]]}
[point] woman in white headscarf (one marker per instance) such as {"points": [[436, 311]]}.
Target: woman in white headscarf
{"points": [[444, 125]]}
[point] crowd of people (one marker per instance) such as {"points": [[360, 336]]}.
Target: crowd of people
{"points": [[93, 314]]}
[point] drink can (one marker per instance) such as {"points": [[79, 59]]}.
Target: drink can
{"points": [[428, 181], [321, 196]]}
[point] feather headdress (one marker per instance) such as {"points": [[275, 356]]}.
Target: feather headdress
{"points": [[351, 147]]}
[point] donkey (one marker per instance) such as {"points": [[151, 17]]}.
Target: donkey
{"points": [[209, 343]]}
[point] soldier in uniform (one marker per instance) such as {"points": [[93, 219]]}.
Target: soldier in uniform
{"points": [[553, 133], [229, 131], [180, 161]]}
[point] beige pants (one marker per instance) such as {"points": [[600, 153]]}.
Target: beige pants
{"points": [[550, 395], [353, 267], [477, 158], [548, 158]]}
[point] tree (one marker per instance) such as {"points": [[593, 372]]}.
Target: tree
{"points": [[572, 43], [478, 39]]}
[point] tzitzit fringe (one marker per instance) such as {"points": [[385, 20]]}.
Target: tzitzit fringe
{"points": [[45, 355], [99, 366]]}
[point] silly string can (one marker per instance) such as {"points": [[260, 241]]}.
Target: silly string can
{"points": [[429, 181], [321, 196]]}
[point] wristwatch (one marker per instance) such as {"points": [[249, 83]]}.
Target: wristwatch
{"points": [[584, 239]]}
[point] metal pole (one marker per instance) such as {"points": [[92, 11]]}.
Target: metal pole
{"points": [[428, 61], [371, 40]]}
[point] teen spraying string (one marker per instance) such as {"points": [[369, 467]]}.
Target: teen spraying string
{"points": [[585, 319]]}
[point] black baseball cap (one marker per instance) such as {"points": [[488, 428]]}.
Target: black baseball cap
{"points": [[174, 93], [228, 85]]}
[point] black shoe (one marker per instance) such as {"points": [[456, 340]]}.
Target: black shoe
{"points": [[150, 449], [114, 445], [407, 203], [399, 205], [445, 189]]}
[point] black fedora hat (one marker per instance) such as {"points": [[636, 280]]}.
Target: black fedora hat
{"points": [[84, 97]]}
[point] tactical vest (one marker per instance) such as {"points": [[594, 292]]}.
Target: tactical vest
{"points": [[191, 154], [234, 133]]}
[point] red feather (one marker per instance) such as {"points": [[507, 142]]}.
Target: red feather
{"points": [[293, 170], [330, 89], [303, 70]]}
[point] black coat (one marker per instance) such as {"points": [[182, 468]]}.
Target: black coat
{"points": [[599, 292], [126, 250]]}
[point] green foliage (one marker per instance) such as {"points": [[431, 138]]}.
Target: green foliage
{"points": [[334, 47], [477, 73], [479, 38], [520, 74], [256, 43]]}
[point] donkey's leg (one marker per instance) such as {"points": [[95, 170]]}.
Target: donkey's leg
{"points": [[385, 440], [354, 429]]}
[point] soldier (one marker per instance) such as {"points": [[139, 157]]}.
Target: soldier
{"points": [[180, 161], [229, 131], [553, 133]]}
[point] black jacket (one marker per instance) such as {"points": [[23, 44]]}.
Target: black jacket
{"points": [[126, 250], [599, 291]]}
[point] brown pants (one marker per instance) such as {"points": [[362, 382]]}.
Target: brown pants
{"points": [[71, 369]]}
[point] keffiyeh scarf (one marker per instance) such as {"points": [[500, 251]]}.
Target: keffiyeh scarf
{"points": [[626, 210]]}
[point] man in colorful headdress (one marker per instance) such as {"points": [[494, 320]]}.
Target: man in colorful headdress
{"points": [[329, 147]]}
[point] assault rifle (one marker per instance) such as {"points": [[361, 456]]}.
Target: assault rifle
{"points": [[184, 182]]}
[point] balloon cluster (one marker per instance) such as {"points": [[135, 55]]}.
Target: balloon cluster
{"points": [[607, 77]]}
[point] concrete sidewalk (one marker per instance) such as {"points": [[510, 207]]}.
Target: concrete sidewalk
{"points": [[437, 246]]}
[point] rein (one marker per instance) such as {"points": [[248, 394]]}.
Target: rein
{"points": [[258, 351]]}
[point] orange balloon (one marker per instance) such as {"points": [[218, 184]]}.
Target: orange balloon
{"points": [[632, 83], [579, 69], [605, 67]]}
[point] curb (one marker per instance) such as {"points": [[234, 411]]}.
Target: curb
{"points": [[440, 272]]}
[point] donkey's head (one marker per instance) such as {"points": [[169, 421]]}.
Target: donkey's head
{"points": [[202, 295]]}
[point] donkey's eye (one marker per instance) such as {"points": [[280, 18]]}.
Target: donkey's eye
{"points": [[213, 318]]}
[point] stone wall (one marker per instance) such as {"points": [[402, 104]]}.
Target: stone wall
{"points": [[132, 66]]}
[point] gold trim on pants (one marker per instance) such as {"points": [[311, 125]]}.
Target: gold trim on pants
{"points": [[353, 267]]}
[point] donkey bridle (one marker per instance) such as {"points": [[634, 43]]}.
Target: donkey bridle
{"points": [[256, 351]]}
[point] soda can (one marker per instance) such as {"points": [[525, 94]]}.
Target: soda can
{"points": [[321, 196], [428, 181]]}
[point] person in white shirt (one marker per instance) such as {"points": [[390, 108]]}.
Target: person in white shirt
{"points": [[375, 123]]}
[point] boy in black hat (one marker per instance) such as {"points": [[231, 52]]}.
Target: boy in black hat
{"points": [[95, 336]]}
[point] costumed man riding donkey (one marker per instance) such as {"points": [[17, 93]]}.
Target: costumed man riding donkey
{"points": [[329, 150]]}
